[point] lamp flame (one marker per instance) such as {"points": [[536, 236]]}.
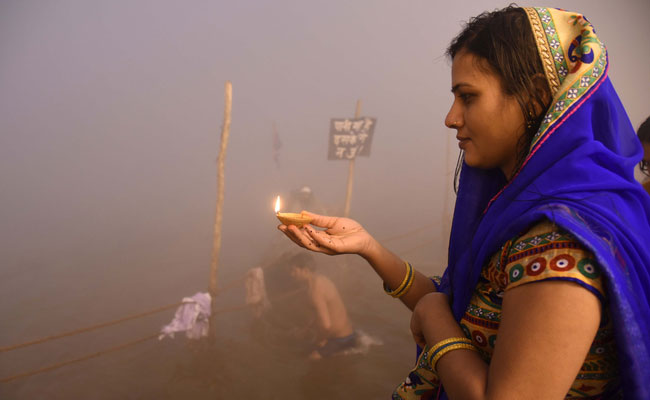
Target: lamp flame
{"points": [[277, 205]]}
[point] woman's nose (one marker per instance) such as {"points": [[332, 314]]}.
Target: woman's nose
{"points": [[453, 120]]}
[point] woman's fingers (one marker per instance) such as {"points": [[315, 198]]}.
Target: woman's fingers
{"points": [[323, 240], [321, 221], [312, 239], [291, 235], [303, 239]]}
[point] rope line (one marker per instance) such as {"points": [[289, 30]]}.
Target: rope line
{"points": [[76, 360], [118, 321], [228, 286], [88, 329], [128, 344]]}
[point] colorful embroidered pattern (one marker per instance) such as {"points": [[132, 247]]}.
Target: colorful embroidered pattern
{"points": [[540, 255], [547, 48], [421, 383], [544, 252], [577, 68]]}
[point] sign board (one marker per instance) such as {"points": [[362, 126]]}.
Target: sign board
{"points": [[350, 137]]}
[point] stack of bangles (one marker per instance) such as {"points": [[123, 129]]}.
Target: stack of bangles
{"points": [[405, 285], [445, 346]]}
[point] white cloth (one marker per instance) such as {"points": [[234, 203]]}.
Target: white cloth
{"points": [[192, 317], [256, 290], [364, 341]]}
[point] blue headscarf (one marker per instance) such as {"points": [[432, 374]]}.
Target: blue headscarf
{"points": [[579, 174]]}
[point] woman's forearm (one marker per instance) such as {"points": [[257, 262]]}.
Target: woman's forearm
{"points": [[462, 372], [392, 270]]}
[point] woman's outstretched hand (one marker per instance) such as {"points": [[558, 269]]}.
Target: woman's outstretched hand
{"points": [[341, 235]]}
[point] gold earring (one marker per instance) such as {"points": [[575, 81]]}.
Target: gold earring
{"points": [[530, 121]]}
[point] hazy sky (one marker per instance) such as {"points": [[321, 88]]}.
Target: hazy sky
{"points": [[110, 114]]}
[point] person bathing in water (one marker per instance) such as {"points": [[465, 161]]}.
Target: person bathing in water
{"points": [[335, 333]]}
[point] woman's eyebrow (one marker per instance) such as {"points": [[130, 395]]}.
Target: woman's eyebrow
{"points": [[457, 86]]}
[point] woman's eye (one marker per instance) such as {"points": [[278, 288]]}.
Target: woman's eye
{"points": [[465, 97]]}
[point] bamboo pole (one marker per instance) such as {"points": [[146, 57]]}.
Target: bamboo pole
{"points": [[348, 194], [216, 245]]}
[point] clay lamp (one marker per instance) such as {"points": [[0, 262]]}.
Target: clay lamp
{"points": [[291, 218]]}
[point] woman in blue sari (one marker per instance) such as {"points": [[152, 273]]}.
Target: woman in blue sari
{"points": [[547, 289]]}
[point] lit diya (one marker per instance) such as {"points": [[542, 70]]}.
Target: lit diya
{"points": [[291, 218]]}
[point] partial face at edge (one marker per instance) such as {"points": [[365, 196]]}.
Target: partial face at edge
{"points": [[488, 122], [646, 153]]}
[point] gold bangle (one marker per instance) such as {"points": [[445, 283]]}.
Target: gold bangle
{"points": [[446, 349], [444, 343], [407, 279], [460, 339], [405, 285], [409, 272], [408, 286]]}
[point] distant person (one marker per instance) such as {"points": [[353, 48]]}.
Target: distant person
{"points": [[644, 136], [335, 333], [303, 198], [256, 296]]}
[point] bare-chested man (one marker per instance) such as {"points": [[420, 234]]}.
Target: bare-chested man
{"points": [[335, 330]]}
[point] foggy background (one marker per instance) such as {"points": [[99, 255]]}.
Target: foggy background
{"points": [[110, 118]]}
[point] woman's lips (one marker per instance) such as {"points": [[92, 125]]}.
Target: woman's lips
{"points": [[462, 142]]}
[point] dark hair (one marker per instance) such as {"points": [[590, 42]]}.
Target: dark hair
{"points": [[644, 131], [302, 260], [503, 40]]}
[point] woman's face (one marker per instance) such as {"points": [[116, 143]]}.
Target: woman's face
{"points": [[488, 122]]}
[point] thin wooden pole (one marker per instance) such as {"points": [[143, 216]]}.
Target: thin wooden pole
{"points": [[216, 245], [348, 194]]}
